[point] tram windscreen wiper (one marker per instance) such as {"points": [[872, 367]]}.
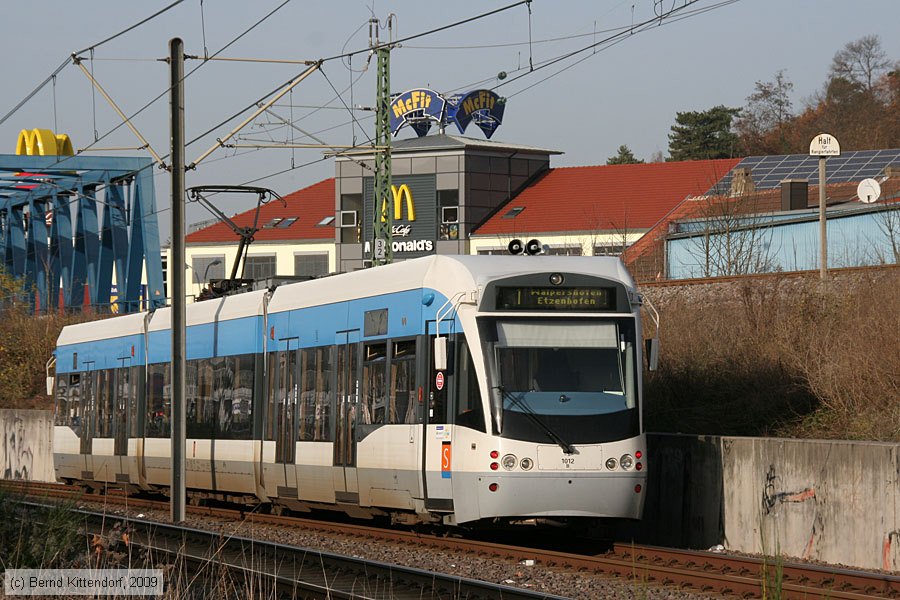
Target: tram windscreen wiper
{"points": [[528, 412]]}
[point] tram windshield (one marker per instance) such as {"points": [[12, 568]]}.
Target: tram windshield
{"points": [[566, 373]]}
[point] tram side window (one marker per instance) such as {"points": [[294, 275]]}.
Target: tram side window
{"points": [[61, 412], [280, 394], [238, 416], [403, 383], [128, 379], [316, 393], [198, 378], [373, 396], [469, 412], [68, 400], [105, 402], [159, 401]]}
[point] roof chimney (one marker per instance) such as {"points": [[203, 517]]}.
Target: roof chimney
{"points": [[741, 182], [794, 194]]}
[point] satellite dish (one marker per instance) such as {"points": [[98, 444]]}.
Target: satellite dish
{"points": [[868, 191]]}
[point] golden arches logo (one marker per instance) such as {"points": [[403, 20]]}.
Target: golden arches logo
{"points": [[400, 194], [43, 142]]}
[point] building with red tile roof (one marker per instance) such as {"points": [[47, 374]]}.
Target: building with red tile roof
{"points": [[469, 196], [297, 219], [295, 238], [577, 210], [756, 219]]}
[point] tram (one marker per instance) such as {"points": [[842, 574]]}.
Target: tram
{"points": [[443, 389]]}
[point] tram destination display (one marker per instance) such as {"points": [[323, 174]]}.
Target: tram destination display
{"points": [[574, 299]]}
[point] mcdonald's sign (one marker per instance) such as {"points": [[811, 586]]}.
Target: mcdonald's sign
{"points": [[413, 205], [400, 194], [43, 142]]}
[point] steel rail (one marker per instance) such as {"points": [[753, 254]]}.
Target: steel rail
{"points": [[699, 570], [318, 574]]}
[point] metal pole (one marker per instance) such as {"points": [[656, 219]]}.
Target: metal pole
{"points": [[823, 241], [176, 64]]}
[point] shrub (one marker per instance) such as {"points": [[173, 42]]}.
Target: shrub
{"points": [[779, 356]]}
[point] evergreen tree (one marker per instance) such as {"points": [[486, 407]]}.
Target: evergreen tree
{"points": [[624, 157], [704, 135]]}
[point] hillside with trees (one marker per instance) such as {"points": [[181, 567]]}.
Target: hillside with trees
{"points": [[859, 103]]}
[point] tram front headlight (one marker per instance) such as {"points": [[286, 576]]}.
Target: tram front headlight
{"points": [[611, 464], [526, 464], [627, 462], [509, 462]]}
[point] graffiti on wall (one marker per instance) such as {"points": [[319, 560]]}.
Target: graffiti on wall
{"points": [[773, 496], [18, 457]]}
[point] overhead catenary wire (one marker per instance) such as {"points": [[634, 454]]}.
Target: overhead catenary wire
{"points": [[656, 21], [62, 159], [65, 63], [355, 122]]}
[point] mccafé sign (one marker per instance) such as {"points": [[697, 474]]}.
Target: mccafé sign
{"points": [[403, 197], [412, 205]]}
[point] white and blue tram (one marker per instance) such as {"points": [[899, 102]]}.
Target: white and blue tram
{"points": [[445, 389]]}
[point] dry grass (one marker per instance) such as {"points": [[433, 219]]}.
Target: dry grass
{"points": [[26, 342], [779, 356]]}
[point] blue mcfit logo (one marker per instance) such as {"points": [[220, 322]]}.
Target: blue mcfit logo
{"points": [[417, 108], [482, 107]]}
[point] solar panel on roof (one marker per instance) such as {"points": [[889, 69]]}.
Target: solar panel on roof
{"points": [[769, 171]]}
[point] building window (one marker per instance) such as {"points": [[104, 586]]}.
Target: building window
{"points": [[564, 251], [208, 267], [165, 274], [259, 267], [351, 232], [609, 249], [310, 265], [448, 206], [514, 212]]}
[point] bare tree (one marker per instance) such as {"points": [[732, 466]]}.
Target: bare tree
{"points": [[730, 237], [861, 61], [888, 222], [762, 122]]}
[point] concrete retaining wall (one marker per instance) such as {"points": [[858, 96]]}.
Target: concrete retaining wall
{"points": [[26, 451], [833, 501]]}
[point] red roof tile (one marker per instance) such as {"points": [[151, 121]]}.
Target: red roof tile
{"points": [[606, 197], [310, 205]]}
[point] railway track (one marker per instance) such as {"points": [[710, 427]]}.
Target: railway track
{"points": [[690, 570], [291, 570]]}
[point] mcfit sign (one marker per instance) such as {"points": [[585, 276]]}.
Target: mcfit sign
{"points": [[414, 211], [420, 108]]}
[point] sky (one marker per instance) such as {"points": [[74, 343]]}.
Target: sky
{"points": [[623, 93]]}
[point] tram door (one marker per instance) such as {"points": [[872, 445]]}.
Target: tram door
{"points": [[346, 486], [438, 444]]}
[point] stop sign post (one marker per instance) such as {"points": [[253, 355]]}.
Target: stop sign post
{"points": [[823, 146]]}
